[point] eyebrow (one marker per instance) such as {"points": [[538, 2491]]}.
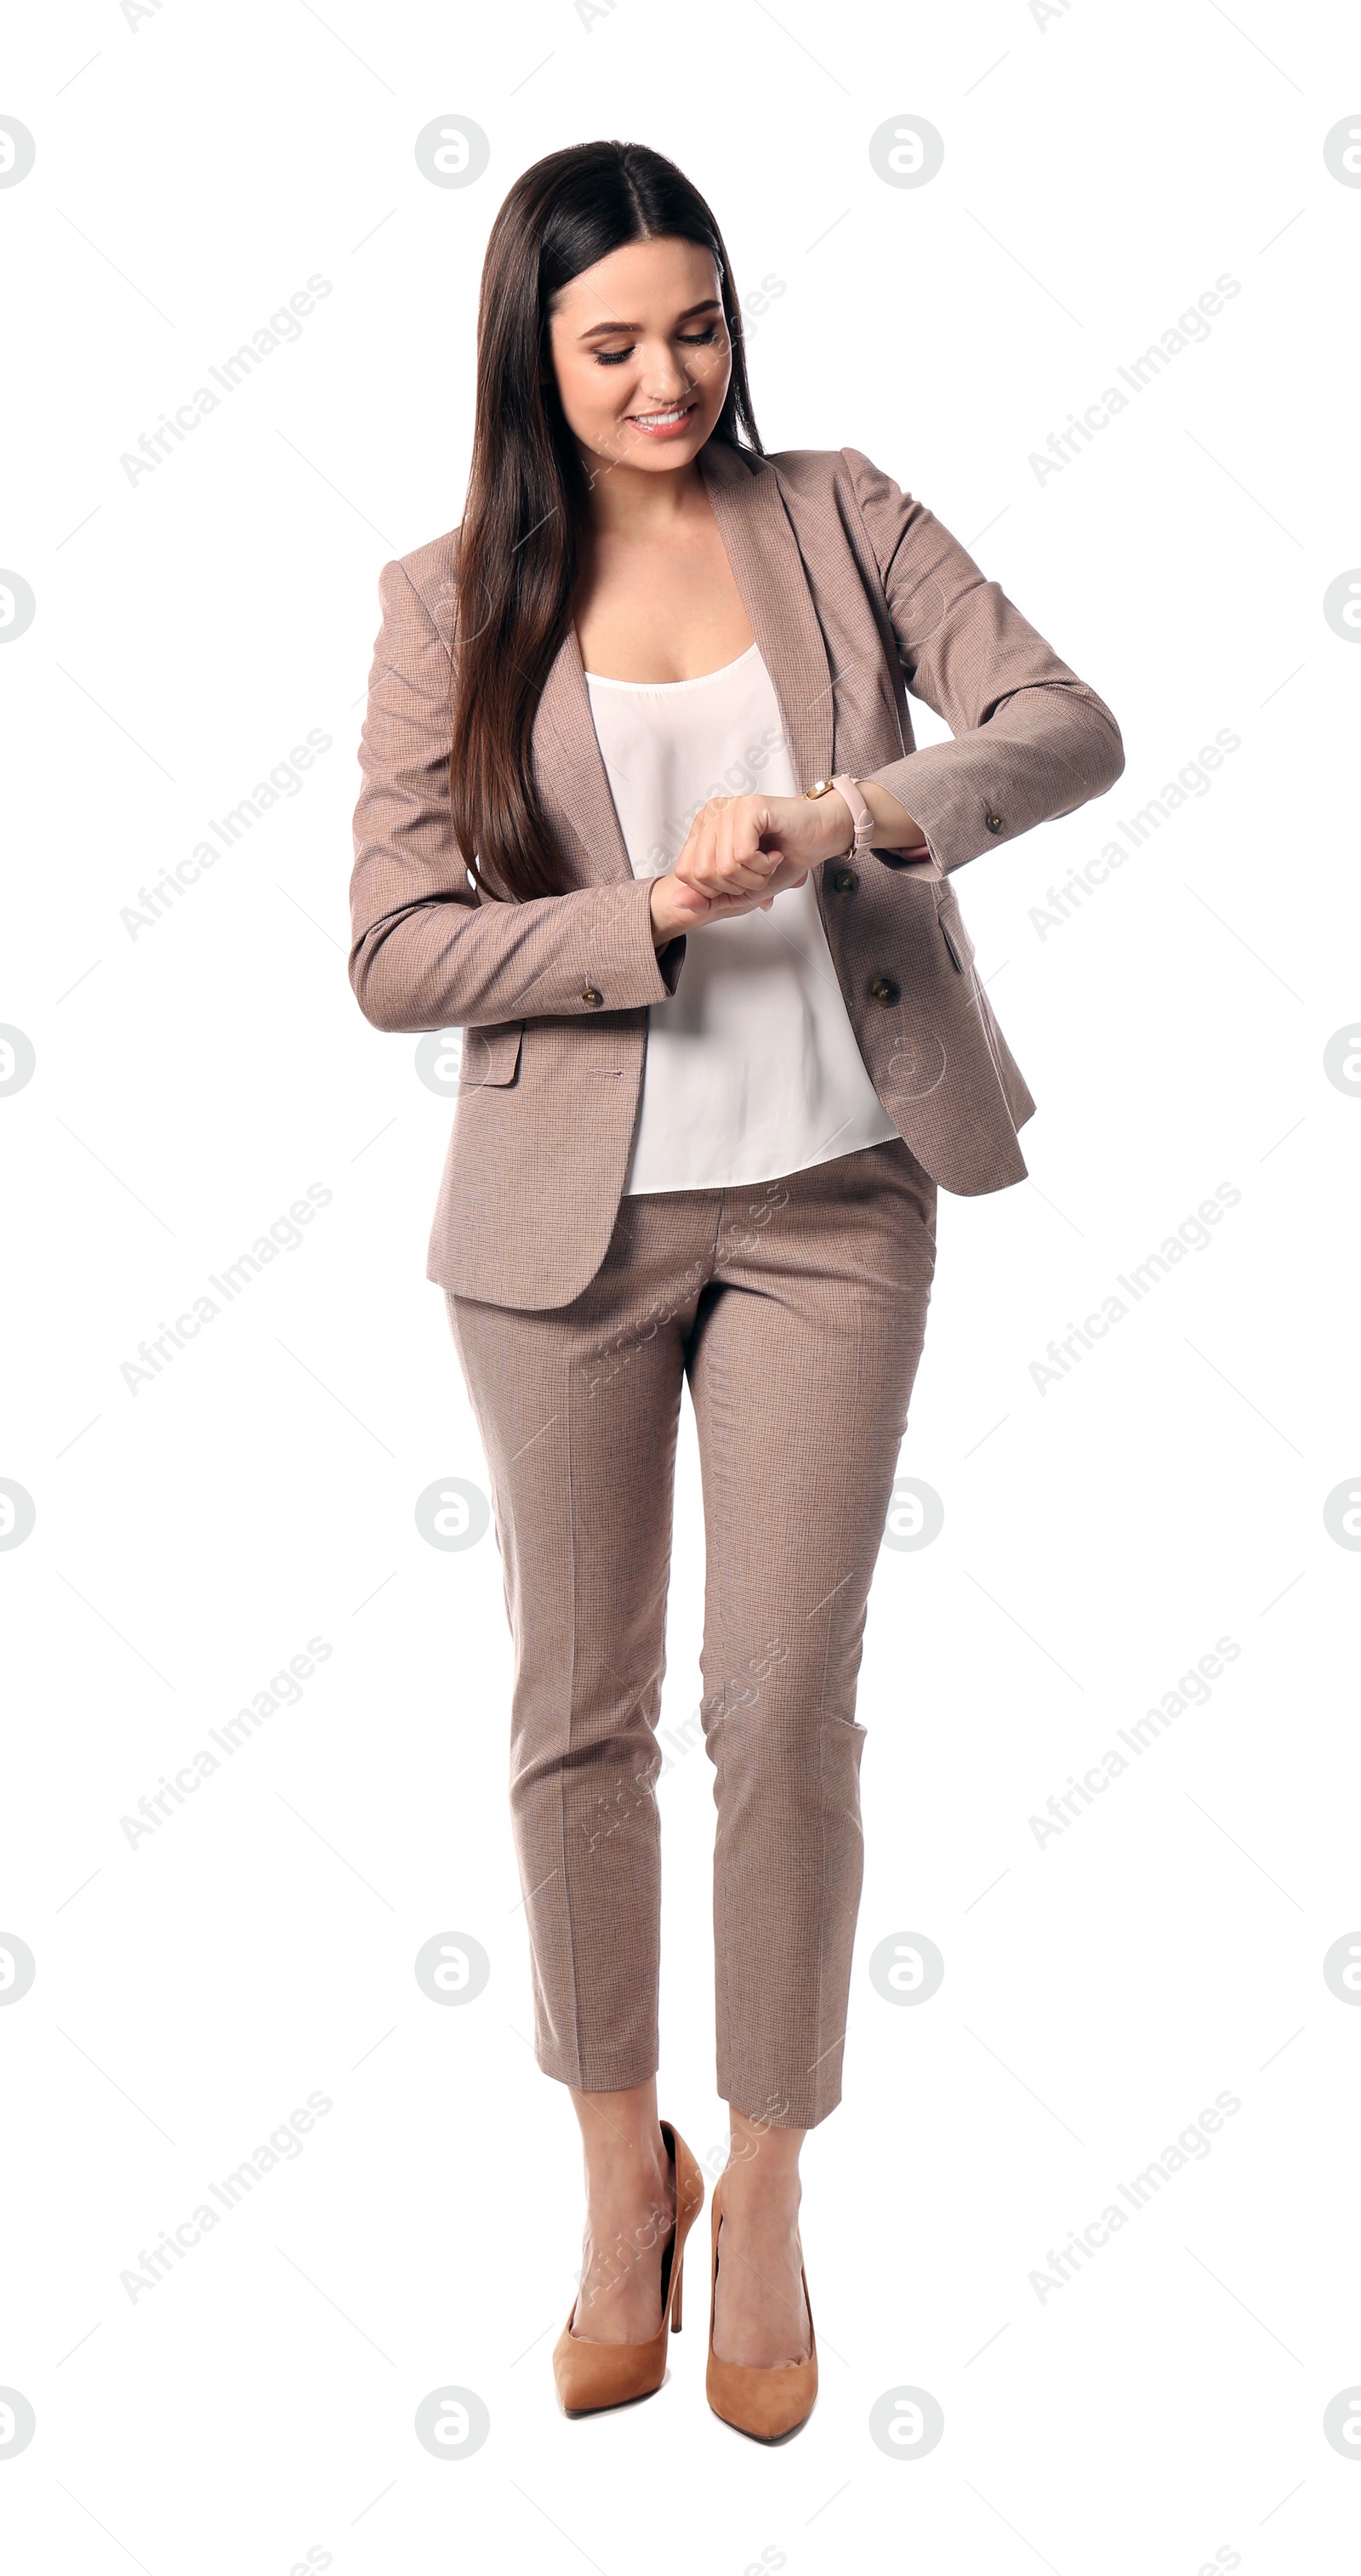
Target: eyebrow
{"points": [[711, 304]]}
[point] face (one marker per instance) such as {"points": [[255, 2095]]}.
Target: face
{"points": [[642, 356]]}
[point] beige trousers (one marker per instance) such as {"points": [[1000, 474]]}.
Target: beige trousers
{"points": [[796, 1309]]}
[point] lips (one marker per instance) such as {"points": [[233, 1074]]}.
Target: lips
{"points": [[662, 424]]}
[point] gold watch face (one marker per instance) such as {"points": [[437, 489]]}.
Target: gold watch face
{"points": [[820, 787]]}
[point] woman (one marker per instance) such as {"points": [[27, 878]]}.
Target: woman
{"points": [[641, 813]]}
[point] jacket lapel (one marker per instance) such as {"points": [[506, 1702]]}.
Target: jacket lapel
{"points": [[767, 567]]}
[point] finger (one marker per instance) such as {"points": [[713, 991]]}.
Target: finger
{"points": [[709, 829], [742, 867], [748, 864], [749, 818], [693, 861], [699, 838]]}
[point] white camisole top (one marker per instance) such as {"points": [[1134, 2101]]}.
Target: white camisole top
{"points": [[752, 1069]]}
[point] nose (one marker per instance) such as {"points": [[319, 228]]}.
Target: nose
{"points": [[670, 383]]}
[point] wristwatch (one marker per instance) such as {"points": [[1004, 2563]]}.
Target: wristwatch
{"points": [[861, 816]]}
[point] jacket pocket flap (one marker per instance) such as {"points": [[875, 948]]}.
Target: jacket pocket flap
{"points": [[490, 1055]]}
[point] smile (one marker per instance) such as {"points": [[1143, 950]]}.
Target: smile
{"points": [[657, 423]]}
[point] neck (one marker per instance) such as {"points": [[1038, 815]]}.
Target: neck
{"points": [[628, 501]]}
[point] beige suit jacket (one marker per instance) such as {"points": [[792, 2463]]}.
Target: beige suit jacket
{"points": [[853, 589]]}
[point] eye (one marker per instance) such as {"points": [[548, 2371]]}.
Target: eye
{"points": [[690, 339]]}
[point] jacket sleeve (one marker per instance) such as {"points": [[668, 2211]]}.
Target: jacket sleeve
{"points": [[1031, 739], [427, 952]]}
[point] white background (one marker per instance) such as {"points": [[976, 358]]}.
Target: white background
{"points": [[1100, 172]]}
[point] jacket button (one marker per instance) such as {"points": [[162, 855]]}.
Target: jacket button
{"points": [[993, 821], [845, 881], [884, 991], [592, 997]]}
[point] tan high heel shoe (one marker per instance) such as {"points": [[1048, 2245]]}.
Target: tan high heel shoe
{"points": [[592, 2375], [767, 2404]]}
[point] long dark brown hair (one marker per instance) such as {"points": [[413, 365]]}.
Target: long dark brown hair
{"points": [[519, 543]]}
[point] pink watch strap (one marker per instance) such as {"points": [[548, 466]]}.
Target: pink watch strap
{"points": [[860, 814], [864, 821]]}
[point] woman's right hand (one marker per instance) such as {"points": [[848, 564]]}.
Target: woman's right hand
{"points": [[722, 869]]}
